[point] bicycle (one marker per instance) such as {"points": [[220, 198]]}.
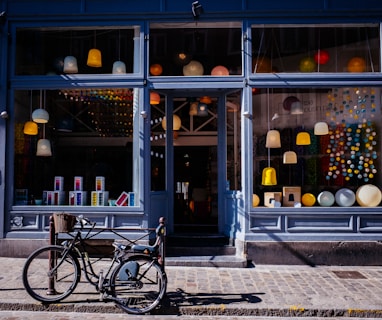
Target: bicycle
{"points": [[135, 279]]}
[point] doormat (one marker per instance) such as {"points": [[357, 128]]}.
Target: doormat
{"points": [[349, 275]]}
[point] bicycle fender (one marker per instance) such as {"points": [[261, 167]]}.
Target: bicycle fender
{"points": [[128, 271]]}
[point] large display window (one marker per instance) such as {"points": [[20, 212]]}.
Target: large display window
{"points": [[58, 51], [77, 147], [317, 147], [331, 48]]}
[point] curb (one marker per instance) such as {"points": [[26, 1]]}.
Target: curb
{"points": [[218, 310]]}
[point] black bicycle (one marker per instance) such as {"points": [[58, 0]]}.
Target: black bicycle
{"points": [[135, 278]]}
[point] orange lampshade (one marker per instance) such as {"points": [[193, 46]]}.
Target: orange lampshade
{"points": [[94, 58], [30, 128], [154, 98]]}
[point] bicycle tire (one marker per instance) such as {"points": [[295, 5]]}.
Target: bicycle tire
{"points": [[142, 292], [51, 288]]}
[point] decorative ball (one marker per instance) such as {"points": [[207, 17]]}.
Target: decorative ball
{"points": [[308, 199], [156, 69], [321, 57], [194, 68], [255, 200], [307, 65], [368, 195], [345, 197], [220, 71], [356, 64], [262, 65], [325, 199]]}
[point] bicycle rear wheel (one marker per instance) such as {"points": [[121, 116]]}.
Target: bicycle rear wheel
{"points": [[50, 274], [138, 284]]}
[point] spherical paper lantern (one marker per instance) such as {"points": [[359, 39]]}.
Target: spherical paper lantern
{"points": [[156, 69], [308, 199], [220, 71], [255, 200], [321, 57], [356, 64], [368, 195], [194, 68], [325, 199], [307, 65], [345, 197]]}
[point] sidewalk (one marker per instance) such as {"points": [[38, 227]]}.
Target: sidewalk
{"points": [[264, 290]]}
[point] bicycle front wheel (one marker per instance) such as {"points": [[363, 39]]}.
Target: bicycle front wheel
{"points": [[50, 274], [138, 284]]}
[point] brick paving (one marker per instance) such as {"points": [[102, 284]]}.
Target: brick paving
{"points": [[264, 290]]}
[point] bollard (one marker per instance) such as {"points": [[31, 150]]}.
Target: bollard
{"points": [[51, 260]]}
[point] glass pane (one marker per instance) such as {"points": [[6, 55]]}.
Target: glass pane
{"points": [[60, 51], [195, 50], [233, 126], [89, 134], [344, 156], [316, 48]]}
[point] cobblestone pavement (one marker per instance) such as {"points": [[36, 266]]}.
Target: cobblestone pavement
{"points": [[264, 290]]}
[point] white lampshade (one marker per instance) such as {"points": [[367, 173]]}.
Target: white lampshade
{"points": [[289, 157], [70, 65], [296, 108], [321, 129], [40, 116], [119, 67], [273, 139], [43, 148], [202, 110]]}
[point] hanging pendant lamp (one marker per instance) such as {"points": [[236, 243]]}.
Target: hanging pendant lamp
{"points": [[31, 127], [321, 129], [154, 98], [303, 139], [94, 56], [119, 67], [289, 157], [273, 139], [202, 110], [70, 64], [43, 148], [40, 115], [269, 177]]}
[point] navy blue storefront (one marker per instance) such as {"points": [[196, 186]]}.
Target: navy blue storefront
{"points": [[86, 88]]}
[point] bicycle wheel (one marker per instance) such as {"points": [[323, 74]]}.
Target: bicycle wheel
{"points": [[50, 274], [138, 284]]}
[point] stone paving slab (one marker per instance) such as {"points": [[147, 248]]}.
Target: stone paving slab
{"points": [[264, 290]]}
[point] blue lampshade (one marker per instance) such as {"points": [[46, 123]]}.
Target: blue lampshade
{"points": [[40, 116], [119, 67]]}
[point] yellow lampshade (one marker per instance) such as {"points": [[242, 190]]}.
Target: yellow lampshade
{"points": [[30, 128], [321, 129], [193, 108], [43, 148], [255, 200], [154, 98], [94, 58], [303, 139], [273, 139], [269, 177], [290, 157]]}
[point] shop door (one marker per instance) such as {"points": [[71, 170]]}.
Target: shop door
{"points": [[192, 158]]}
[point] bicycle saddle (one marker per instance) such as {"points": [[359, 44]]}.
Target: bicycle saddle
{"points": [[144, 249]]}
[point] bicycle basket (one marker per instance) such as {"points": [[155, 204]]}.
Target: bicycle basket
{"points": [[63, 222]]}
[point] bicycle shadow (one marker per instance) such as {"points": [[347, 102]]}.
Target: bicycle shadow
{"points": [[174, 301]]}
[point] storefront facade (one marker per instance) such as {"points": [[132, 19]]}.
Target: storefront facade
{"points": [[87, 86]]}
